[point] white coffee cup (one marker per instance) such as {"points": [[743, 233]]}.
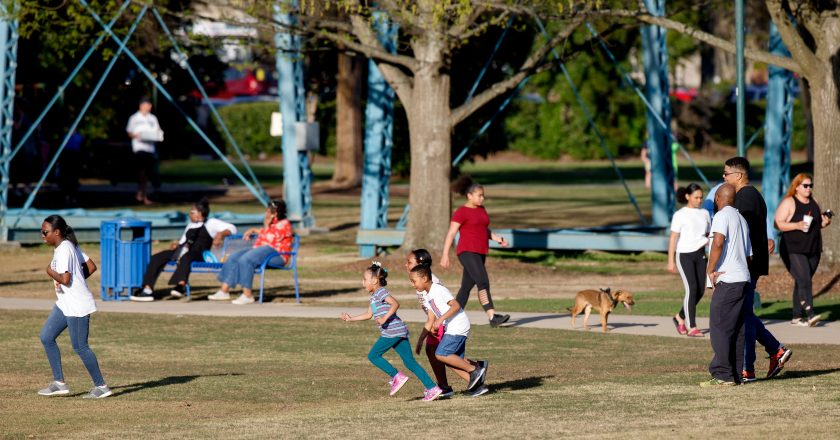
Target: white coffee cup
{"points": [[808, 219]]}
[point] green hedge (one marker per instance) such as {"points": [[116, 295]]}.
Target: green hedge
{"points": [[249, 124]]}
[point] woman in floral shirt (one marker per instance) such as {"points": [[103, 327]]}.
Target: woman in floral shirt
{"points": [[275, 236]]}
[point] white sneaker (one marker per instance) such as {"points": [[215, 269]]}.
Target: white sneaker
{"points": [[242, 300], [219, 296], [55, 389]]}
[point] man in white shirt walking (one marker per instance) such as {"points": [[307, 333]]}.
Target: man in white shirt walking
{"points": [[730, 276], [144, 130]]}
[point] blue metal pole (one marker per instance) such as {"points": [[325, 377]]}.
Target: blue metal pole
{"points": [[292, 99], [739, 73], [379, 123], [778, 130], [169, 98], [66, 83], [655, 57], [216, 115], [8, 67], [75, 124]]}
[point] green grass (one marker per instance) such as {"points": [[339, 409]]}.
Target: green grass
{"points": [[213, 377]]}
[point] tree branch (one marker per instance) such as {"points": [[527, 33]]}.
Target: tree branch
{"points": [[796, 45], [530, 65], [397, 79], [377, 53], [697, 34]]}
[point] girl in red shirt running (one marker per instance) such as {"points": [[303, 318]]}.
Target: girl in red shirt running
{"points": [[472, 221]]}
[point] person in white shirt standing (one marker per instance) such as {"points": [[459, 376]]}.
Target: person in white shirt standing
{"points": [[687, 252], [144, 130], [730, 276], [68, 270]]}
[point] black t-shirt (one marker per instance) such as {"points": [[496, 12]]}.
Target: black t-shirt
{"points": [[750, 204]]}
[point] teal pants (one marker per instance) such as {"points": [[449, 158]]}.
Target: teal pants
{"points": [[403, 349]]}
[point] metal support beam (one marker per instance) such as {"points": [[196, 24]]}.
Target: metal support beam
{"points": [[297, 176], [739, 73], [379, 124], [778, 127], [655, 58], [8, 67]]}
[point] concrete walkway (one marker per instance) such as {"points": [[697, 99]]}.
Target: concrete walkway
{"points": [[825, 333]]}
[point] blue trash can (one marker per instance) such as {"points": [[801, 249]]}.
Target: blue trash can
{"points": [[126, 248]]}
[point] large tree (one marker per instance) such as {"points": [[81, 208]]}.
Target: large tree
{"points": [[811, 31], [431, 33]]}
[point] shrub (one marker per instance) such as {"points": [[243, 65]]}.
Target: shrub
{"points": [[249, 124]]}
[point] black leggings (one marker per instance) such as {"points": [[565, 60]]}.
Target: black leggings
{"points": [[159, 261], [475, 274], [692, 267], [802, 268]]}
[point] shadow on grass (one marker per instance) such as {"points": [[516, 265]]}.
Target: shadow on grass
{"points": [[530, 319], [827, 288], [163, 382], [519, 384], [13, 283], [829, 312], [630, 324], [799, 374]]}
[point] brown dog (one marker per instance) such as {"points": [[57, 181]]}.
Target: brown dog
{"points": [[602, 301]]}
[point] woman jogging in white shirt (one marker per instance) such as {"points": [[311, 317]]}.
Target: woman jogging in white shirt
{"points": [[72, 310], [687, 252]]}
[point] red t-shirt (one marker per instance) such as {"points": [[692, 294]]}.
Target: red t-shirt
{"points": [[475, 232]]}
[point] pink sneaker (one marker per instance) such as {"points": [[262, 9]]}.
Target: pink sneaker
{"points": [[397, 382], [432, 394], [696, 333]]}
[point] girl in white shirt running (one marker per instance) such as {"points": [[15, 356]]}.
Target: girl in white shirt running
{"points": [[68, 270], [687, 253]]}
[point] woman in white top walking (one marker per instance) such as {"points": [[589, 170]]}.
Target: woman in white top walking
{"points": [[687, 253], [68, 270]]}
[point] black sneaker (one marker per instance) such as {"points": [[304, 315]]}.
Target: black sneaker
{"points": [[498, 320], [475, 377], [447, 392], [141, 295], [482, 389], [178, 291]]}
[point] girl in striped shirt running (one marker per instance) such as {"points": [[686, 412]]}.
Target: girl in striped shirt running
{"points": [[394, 333]]}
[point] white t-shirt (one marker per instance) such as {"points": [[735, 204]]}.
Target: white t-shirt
{"points": [[733, 260], [137, 123], [437, 300], [73, 300], [693, 226], [421, 296], [213, 226]]}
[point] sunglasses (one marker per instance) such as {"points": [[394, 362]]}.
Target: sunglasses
{"points": [[734, 172], [44, 233], [807, 185]]}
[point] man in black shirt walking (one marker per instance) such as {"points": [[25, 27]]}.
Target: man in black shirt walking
{"points": [[750, 204]]}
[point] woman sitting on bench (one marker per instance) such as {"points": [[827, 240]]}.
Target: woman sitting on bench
{"points": [[275, 236], [199, 235]]}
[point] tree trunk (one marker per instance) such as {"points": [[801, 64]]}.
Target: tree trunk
{"points": [[431, 144], [825, 111], [349, 123]]}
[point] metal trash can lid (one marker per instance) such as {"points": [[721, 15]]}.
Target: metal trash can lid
{"points": [[129, 222]]}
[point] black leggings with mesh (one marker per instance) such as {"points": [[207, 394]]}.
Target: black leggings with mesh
{"points": [[692, 267], [475, 274]]}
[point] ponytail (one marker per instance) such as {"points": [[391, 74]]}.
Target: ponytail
{"points": [[59, 224]]}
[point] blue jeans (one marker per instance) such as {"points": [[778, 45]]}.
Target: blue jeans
{"points": [[55, 324], [754, 330], [239, 267]]}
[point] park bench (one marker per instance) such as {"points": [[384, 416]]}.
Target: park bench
{"points": [[237, 242]]}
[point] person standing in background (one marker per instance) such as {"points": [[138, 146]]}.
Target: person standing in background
{"points": [[144, 130]]}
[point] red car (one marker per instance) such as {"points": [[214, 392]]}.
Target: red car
{"points": [[239, 82]]}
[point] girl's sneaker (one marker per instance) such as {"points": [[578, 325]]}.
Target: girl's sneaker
{"points": [[397, 382], [432, 394], [55, 389], [98, 393], [696, 333], [446, 392]]}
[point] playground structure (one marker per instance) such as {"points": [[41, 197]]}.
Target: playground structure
{"points": [[374, 231]]}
